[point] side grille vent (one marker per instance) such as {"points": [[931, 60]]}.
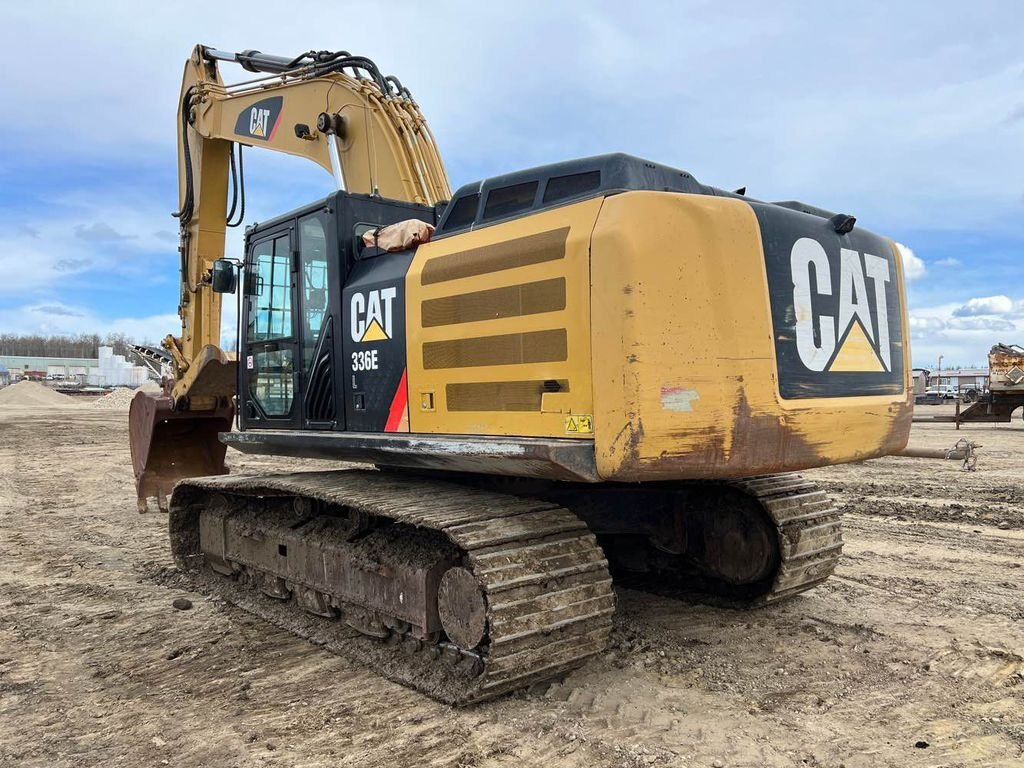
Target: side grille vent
{"points": [[534, 249], [508, 349], [319, 400], [497, 395], [494, 303]]}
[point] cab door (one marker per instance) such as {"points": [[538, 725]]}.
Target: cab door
{"points": [[317, 310], [269, 370]]}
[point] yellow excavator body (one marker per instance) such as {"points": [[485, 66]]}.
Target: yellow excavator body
{"points": [[653, 311], [590, 368]]}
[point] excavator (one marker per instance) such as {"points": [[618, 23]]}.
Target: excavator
{"points": [[549, 378]]}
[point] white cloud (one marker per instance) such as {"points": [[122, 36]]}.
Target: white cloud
{"points": [[72, 238], [921, 325], [913, 265], [962, 332], [948, 262], [58, 319], [982, 324], [985, 305], [556, 83]]}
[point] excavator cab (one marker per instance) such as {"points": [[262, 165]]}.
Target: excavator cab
{"points": [[301, 269], [311, 293]]}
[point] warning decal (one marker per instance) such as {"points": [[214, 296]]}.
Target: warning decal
{"points": [[579, 423]]}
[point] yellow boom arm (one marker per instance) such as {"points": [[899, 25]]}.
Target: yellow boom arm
{"points": [[329, 107], [332, 108]]}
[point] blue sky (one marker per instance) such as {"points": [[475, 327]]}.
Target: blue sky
{"points": [[909, 117]]}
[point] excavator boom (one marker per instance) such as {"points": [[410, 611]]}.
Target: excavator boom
{"points": [[332, 108]]}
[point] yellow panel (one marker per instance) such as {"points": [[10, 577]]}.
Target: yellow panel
{"points": [[685, 382], [534, 274]]}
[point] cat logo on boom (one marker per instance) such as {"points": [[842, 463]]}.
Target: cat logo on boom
{"points": [[371, 314], [260, 120]]}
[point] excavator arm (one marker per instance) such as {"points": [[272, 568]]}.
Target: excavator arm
{"points": [[332, 108]]}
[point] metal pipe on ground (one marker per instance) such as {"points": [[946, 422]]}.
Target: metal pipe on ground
{"points": [[963, 450]]}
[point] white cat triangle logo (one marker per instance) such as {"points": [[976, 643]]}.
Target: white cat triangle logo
{"points": [[861, 320]]}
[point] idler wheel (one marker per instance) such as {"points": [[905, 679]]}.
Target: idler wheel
{"points": [[462, 608]]}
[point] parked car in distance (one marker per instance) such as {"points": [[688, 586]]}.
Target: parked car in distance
{"points": [[937, 395]]}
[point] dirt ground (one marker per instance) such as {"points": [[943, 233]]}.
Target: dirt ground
{"points": [[912, 655]]}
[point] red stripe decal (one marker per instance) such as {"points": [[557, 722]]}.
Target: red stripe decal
{"points": [[276, 123], [398, 404]]}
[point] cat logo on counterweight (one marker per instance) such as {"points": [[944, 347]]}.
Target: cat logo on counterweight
{"points": [[835, 306], [857, 337]]}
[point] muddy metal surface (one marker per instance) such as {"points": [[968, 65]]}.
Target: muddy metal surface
{"points": [[912, 655]]}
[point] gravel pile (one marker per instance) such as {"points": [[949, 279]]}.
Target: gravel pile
{"points": [[32, 394], [118, 399], [121, 398]]}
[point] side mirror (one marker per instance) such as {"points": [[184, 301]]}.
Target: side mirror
{"points": [[223, 279]]}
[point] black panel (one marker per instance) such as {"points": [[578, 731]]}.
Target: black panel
{"points": [[575, 184], [463, 212], [562, 183], [355, 210], [261, 120], [373, 344], [835, 304], [505, 201]]}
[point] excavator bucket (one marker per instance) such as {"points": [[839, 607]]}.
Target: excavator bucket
{"points": [[169, 445]]}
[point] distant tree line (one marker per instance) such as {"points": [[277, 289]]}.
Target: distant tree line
{"points": [[82, 345]]}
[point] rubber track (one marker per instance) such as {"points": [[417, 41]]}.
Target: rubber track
{"points": [[808, 530], [546, 580]]}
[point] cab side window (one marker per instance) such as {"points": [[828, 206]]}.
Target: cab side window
{"points": [[313, 283], [270, 291]]}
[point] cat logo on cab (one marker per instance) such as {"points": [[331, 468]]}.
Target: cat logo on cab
{"points": [[371, 315]]}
